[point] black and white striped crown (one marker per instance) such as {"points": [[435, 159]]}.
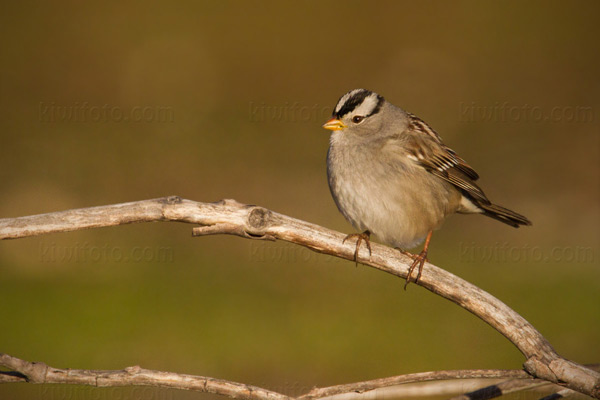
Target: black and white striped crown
{"points": [[360, 101]]}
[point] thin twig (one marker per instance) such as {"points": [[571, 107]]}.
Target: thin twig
{"points": [[419, 389], [361, 387]]}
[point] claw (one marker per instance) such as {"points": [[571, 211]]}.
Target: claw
{"points": [[360, 237], [418, 260]]}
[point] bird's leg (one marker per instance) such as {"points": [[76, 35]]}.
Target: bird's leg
{"points": [[360, 237], [409, 254], [418, 260]]}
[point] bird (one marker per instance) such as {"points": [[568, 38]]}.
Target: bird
{"points": [[391, 175]]}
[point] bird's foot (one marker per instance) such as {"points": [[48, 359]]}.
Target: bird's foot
{"points": [[409, 254], [418, 261], [360, 237]]}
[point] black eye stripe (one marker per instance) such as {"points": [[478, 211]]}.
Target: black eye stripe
{"points": [[353, 102]]}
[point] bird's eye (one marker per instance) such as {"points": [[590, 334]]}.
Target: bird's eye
{"points": [[357, 119]]}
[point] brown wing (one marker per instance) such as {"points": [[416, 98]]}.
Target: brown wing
{"points": [[440, 160], [426, 147]]}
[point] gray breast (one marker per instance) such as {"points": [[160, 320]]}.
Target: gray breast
{"points": [[392, 197]]}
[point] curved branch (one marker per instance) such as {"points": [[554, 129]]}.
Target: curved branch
{"points": [[231, 217]]}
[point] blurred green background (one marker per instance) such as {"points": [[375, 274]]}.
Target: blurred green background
{"points": [[112, 102]]}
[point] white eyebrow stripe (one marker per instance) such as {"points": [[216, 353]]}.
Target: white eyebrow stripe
{"points": [[367, 106]]}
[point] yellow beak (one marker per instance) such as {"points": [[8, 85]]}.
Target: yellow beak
{"points": [[334, 125]]}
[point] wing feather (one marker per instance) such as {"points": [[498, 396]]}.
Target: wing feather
{"points": [[440, 160]]}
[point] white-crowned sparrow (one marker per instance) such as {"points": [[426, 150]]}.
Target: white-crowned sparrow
{"points": [[391, 175]]}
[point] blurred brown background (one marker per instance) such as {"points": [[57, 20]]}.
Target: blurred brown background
{"points": [[115, 102]]}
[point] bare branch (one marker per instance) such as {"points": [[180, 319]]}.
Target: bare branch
{"points": [[418, 389], [361, 387], [35, 372], [42, 373], [231, 217]]}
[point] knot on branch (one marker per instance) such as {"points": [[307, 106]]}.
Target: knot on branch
{"points": [[253, 223], [259, 218]]}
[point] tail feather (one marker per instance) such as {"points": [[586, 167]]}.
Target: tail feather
{"points": [[504, 215]]}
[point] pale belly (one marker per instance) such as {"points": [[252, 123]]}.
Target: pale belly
{"points": [[399, 208]]}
